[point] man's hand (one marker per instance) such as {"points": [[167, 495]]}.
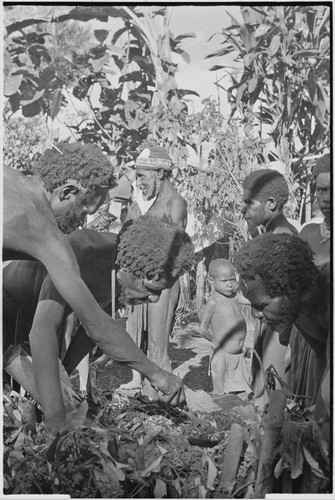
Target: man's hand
{"points": [[66, 422], [171, 387]]}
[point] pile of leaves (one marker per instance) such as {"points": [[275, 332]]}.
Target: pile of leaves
{"points": [[129, 447]]}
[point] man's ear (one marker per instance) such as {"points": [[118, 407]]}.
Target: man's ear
{"points": [[272, 204], [160, 173], [66, 191]]}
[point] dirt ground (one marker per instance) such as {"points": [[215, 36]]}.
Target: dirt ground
{"points": [[189, 354]]}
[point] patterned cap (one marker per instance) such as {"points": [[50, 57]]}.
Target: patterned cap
{"points": [[154, 158]]}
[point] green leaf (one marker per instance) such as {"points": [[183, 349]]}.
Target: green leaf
{"points": [[98, 64], [313, 463], [56, 101], [212, 473], [185, 35], [160, 490], [19, 25], [14, 102], [311, 84], [252, 84], [274, 45], [36, 96], [153, 467], [261, 30], [12, 85], [101, 35]]}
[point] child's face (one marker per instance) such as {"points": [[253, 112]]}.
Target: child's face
{"points": [[225, 282]]}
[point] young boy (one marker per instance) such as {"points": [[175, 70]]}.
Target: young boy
{"points": [[230, 369]]}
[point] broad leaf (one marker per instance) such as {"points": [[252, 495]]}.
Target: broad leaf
{"points": [[19, 25], [12, 85], [98, 64], [56, 101], [274, 45], [261, 30], [37, 96], [101, 35], [160, 490], [252, 84]]}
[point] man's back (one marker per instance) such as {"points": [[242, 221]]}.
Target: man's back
{"points": [[95, 254], [280, 224], [28, 220], [171, 205]]}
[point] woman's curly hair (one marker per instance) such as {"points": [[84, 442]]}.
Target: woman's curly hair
{"points": [[284, 263], [150, 246], [264, 184], [84, 163]]}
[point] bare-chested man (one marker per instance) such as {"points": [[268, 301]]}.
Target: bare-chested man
{"points": [[71, 181], [153, 171], [230, 369], [265, 194]]}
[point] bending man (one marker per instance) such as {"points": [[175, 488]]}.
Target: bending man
{"points": [[71, 181]]}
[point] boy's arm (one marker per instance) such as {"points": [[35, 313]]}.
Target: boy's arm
{"points": [[206, 319]]}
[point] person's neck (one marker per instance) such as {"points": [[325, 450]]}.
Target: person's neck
{"points": [[276, 219], [164, 189]]}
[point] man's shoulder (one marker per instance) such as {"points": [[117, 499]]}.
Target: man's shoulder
{"points": [[90, 239], [311, 228], [87, 243]]}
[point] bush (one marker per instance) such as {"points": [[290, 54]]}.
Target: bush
{"points": [[23, 141]]}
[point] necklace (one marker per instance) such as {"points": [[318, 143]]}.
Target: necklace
{"points": [[325, 231]]}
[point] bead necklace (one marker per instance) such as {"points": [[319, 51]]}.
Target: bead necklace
{"points": [[325, 231]]}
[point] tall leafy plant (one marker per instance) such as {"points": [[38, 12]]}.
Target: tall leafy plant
{"points": [[284, 55], [138, 56]]}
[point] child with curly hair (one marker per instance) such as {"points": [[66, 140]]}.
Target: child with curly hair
{"points": [[223, 324]]}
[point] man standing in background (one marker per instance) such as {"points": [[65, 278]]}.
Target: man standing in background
{"points": [[153, 172], [265, 192]]}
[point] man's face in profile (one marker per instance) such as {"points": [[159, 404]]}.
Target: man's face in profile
{"points": [[135, 290], [278, 312]]}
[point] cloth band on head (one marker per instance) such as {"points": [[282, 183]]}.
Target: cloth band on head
{"points": [[153, 163], [154, 158]]}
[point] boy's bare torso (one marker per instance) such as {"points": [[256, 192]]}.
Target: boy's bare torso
{"points": [[227, 324]]}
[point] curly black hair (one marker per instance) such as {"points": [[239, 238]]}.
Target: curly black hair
{"points": [[284, 263], [264, 184], [84, 163], [150, 246], [322, 165]]}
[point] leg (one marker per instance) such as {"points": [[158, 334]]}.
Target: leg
{"points": [[135, 325], [160, 324], [81, 345], [218, 370]]}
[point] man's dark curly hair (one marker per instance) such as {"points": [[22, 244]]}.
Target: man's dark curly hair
{"points": [[84, 163], [150, 246], [264, 184], [322, 165], [284, 263]]}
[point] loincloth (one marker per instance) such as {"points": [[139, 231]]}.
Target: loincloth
{"points": [[237, 376]]}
